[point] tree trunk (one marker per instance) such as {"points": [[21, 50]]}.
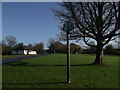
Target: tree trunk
{"points": [[99, 55]]}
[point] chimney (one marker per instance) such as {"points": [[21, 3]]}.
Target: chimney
{"points": [[21, 43]]}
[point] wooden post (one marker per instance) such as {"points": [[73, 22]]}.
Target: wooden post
{"points": [[68, 58], [67, 27]]}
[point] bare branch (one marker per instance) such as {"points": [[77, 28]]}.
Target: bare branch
{"points": [[95, 20]]}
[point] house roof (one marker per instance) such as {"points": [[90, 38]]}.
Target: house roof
{"points": [[23, 47]]}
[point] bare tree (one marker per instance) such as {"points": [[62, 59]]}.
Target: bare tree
{"points": [[10, 41], [96, 21], [50, 45]]}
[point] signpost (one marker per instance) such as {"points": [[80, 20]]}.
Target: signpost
{"points": [[67, 27]]}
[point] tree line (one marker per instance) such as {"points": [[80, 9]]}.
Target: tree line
{"points": [[54, 46], [10, 42], [109, 49], [58, 47]]}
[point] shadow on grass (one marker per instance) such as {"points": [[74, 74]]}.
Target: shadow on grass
{"points": [[16, 64], [27, 64], [34, 83], [20, 63]]}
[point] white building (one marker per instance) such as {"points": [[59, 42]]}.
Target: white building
{"points": [[22, 49]]}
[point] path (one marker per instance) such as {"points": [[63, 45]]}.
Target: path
{"points": [[19, 58]]}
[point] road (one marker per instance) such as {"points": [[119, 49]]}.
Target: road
{"points": [[18, 58]]}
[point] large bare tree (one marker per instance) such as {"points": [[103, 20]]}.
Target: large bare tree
{"points": [[10, 41], [96, 21]]}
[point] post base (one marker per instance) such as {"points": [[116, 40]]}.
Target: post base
{"points": [[68, 81]]}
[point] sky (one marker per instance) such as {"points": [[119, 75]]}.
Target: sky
{"points": [[29, 22], [0, 21]]}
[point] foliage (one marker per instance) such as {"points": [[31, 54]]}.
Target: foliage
{"points": [[8, 43], [6, 50], [109, 49], [51, 45], [58, 47], [39, 47], [75, 49]]}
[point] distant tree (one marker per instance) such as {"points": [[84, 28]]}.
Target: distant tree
{"points": [[6, 50], [30, 45], [59, 47], [75, 48], [98, 21], [51, 46], [39, 47], [10, 41], [92, 50], [109, 49], [0, 48]]}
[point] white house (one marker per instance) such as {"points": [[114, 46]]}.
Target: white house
{"points": [[22, 49]]}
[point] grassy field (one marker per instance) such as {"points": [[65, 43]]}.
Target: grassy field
{"points": [[50, 72]]}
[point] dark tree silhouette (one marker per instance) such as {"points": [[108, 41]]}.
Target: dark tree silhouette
{"points": [[10, 41], [59, 47], [97, 21], [51, 46], [74, 48], [109, 49], [39, 47]]}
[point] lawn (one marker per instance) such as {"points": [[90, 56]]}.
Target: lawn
{"points": [[50, 72]]}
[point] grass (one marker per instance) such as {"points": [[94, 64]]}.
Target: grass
{"points": [[50, 72]]}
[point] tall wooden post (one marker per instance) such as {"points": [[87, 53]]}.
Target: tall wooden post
{"points": [[68, 58], [67, 27]]}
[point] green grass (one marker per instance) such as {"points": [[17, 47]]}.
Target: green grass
{"points": [[39, 72], [11, 56]]}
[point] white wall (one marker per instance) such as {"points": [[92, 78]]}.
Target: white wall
{"points": [[32, 52], [25, 52]]}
